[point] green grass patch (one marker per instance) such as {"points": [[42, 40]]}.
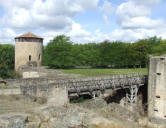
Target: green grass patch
{"points": [[104, 72], [7, 86], [79, 100]]}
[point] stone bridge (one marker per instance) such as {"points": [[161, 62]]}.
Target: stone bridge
{"points": [[45, 89]]}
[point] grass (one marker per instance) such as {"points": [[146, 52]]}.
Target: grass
{"points": [[104, 72], [79, 100], [8, 87]]}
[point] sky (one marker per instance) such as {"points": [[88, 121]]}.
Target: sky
{"points": [[83, 20]]}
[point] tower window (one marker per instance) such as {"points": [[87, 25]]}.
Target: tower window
{"points": [[158, 73], [39, 57], [157, 96], [29, 57]]}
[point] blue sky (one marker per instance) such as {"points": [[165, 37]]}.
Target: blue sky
{"points": [[83, 20]]}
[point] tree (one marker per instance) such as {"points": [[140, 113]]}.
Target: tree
{"points": [[58, 52], [62, 53], [6, 61], [159, 49]]}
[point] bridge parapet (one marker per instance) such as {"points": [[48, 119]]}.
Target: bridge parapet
{"points": [[42, 88]]}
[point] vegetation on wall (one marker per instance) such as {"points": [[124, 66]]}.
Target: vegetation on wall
{"points": [[62, 53]]}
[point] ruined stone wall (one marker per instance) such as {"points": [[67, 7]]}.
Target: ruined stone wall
{"points": [[44, 91]]}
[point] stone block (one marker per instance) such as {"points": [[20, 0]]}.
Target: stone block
{"points": [[58, 97], [30, 75]]}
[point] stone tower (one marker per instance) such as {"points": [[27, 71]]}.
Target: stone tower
{"points": [[157, 89], [28, 50]]}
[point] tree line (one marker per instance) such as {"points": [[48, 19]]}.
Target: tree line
{"points": [[63, 53], [7, 61]]}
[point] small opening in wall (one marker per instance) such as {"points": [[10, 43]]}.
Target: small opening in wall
{"points": [[29, 57], [39, 57], [158, 73], [157, 96], [165, 116], [155, 110], [161, 58]]}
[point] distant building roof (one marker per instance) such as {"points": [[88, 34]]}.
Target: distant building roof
{"points": [[28, 35]]}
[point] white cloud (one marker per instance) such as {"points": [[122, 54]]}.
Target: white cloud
{"points": [[132, 15], [78, 34], [127, 35], [9, 4], [107, 7], [147, 2], [19, 18], [7, 35], [99, 36], [49, 16], [131, 9], [77, 31], [131, 35], [142, 22], [87, 4], [106, 20], [49, 35], [135, 22]]}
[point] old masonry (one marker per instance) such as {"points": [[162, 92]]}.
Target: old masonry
{"points": [[28, 52]]}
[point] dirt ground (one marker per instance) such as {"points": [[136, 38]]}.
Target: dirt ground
{"points": [[18, 104], [15, 103]]}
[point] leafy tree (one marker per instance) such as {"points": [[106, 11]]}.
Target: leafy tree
{"points": [[58, 52], [62, 53], [7, 61], [159, 49]]}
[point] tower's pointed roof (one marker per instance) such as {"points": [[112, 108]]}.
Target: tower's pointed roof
{"points": [[28, 35]]}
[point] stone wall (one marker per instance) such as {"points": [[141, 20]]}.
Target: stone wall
{"points": [[58, 97], [25, 49], [51, 91], [30, 74], [44, 91], [157, 88]]}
